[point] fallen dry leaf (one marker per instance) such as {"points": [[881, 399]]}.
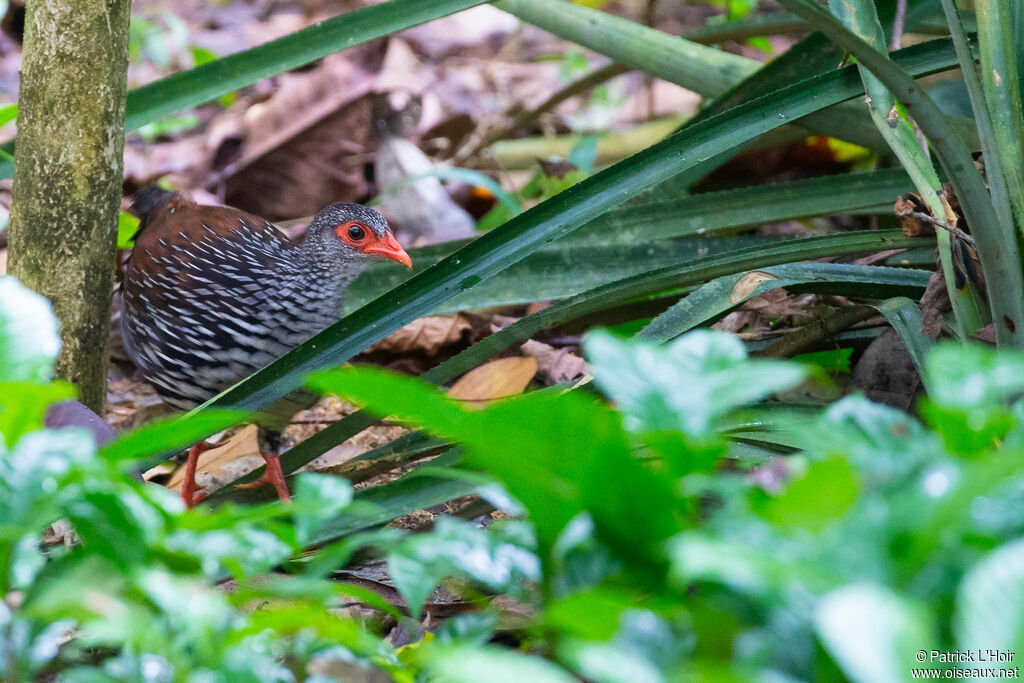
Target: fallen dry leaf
{"points": [[428, 334], [555, 365], [497, 379]]}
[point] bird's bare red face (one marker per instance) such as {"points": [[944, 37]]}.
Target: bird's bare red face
{"points": [[361, 238]]}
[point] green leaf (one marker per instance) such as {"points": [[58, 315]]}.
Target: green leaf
{"points": [[413, 491], [688, 385], [318, 497], [656, 216], [886, 445], [970, 388], [630, 505], [905, 317], [170, 434], [825, 492], [973, 375], [497, 665], [29, 342], [703, 69], [1001, 83], [454, 547], [127, 227], [7, 114], [23, 406], [874, 634], [990, 602], [554, 272], [592, 615], [721, 295]]}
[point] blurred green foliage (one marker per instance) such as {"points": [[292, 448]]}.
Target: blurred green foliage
{"points": [[655, 537]]}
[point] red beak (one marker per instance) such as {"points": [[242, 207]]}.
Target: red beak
{"points": [[388, 247]]}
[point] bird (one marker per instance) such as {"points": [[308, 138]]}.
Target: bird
{"points": [[212, 294]]}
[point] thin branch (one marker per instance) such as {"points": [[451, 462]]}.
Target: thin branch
{"points": [[956, 232]]}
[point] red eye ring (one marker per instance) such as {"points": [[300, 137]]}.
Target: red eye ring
{"points": [[354, 233]]}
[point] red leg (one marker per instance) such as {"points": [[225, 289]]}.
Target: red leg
{"points": [[272, 475], [188, 487]]}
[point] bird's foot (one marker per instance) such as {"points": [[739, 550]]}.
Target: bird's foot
{"points": [[188, 487], [272, 475]]}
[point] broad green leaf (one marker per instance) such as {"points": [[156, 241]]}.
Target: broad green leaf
{"points": [[884, 444], [701, 556], [28, 476], [825, 492], [873, 633], [115, 524], [686, 386], [318, 497], [591, 615], [969, 396], [456, 548], [23, 406], [973, 375], [990, 602], [29, 342], [629, 504], [496, 665]]}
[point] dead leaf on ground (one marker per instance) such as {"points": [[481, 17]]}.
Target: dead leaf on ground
{"points": [[555, 365], [300, 149], [219, 466], [428, 334], [497, 379]]}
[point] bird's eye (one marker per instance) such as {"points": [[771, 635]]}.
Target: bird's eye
{"points": [[356, 233]]}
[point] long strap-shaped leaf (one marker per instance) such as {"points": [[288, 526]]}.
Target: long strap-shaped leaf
{"points": [[725, 293], [626, 239], [679, 275], [221, 76], [549, 220], [996, 241]]}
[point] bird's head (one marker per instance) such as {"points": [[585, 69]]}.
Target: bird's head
{"points": [[353, 232]]}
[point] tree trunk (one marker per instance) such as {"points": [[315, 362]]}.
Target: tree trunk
{"points": [[67, 174]]}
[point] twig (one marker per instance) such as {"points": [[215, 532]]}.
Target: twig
{"points": [[819, 329], [897, 24], [526, 118], [956, 232]]}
